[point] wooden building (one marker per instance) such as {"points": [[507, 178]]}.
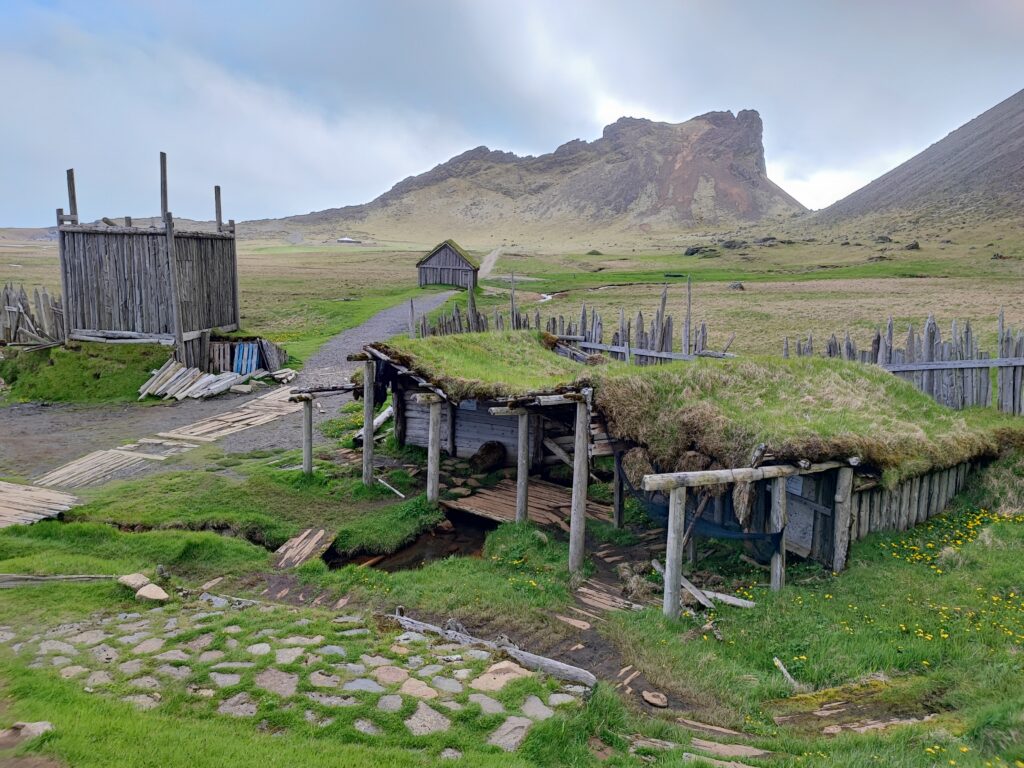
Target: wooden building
{"points": [[448, 264], [156, 284]]}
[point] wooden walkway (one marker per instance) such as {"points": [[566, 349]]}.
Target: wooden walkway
{"points": [[549, 504], [259, 410], [27, 504], [311, 543]]}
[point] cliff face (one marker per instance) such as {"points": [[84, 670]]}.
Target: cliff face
{"points": [[640, 174]]}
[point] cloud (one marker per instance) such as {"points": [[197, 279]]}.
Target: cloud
{"points": [[820, 187]]}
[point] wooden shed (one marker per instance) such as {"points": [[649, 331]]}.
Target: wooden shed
{"points": [[448, 264]]}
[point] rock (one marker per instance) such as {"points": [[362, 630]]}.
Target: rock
{"points": [[355, 669], [143, 701], [208, 656], [417, 688], [499, 675], [460, 493], [429, 671], [913, 245], [27, 730], [132, 667], [90, 637], [56, 646], [488, 457], [134, 581], [478, 654], [411, 637], [99, 677], [392, 702], [331, 650], [450, 753], [349, 619], [241, 389], [232, 629], [152, 593], [73, 671], [883, 239], [329, 700], [239, 705], [152, 645], [733, 245], [225, 679], [289, 655], [535, 709], [60, 661], [105, 654], [462, 674], [511, 733], [389, 675], [365, 726], [736, 285], [322, 680], [172, 655], [303, 641], [561, 699], [655, 699], [487, 705], [259, 649], [146, 682], [200, 643], [178, 673], [133, 639], [446, 684], [374, 661], [426, 720], [400, 650], [363, 684], [274, 680], [357, 632], [315, 719], [234, 665], [195, 690]]}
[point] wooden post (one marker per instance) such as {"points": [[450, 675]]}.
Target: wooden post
{"points": [[216, 206], [307, 437], [369, 370], [674, 552], [842, 518], [72, 197], [434, 453], [172, 271], [523, 469], [618, 502], [778, 525], [163, 185], [686, 322], [412, 320], [580, 478], [65, 279]]}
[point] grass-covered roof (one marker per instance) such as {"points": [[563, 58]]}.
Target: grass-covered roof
{"points": [[455, 247], [805, 408]]}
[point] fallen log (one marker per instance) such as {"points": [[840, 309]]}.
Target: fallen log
{"points": [[378, 421]]}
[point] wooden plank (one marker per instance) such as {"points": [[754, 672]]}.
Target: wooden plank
{"points": [[307, 545]]}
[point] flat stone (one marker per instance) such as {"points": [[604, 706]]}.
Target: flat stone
{"points": [[453, 658], [207, 656], [499, 675], [234, 665], [57, 646], [144, 700], [153, 593], [454, 706], [171, 623], [314, 719], [231, 644], [411, 637], [374, 661], [655, 699], [429, 671], [134, 638], [350, 619], [303, 641], [259, 649], [535, 709], [132, 667], [225, 679], [60, 661], [488, 705], [288, 655], [450, 753], [204, 693], [417, 688], [276, 681], [152, 645], [99, 677], [363, 684], [389, 675], [329, 700], [414, 662], [331, 650], [214, 600], [172, 655], [266, 632], [73, 671], [89, 637], [239, 705], [355, 669], [399, 650], [426, 720], [477, 655], [200, 643], [27, 730], [389, 703], [357, 632], [446, 684], [561, 699], [462, 674], [232, 629], [133, 626], [365, 726], [178, 673], [320, 679], [134, 581], [511, 733], [147, 682], [6, 636]]}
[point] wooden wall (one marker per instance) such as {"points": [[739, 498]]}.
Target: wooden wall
{"points": [[206, 279], [447, 267]]}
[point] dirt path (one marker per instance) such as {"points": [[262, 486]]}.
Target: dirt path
{"points": [[36, 438], [488, 263]]}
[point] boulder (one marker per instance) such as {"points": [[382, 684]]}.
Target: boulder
{"points": [[152, 593], [134, 581], [488, 457]]}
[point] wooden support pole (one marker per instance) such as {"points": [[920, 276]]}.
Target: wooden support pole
{"points": [[307, 436], [842, 518], [412, 320], [216, 206], [172, 271], [668, 481], [580, 479], [618, 497], [72, 197], [163, 185], [434, 453], [777, 524], [369, 371], [523, 469], [674, 552], [65, 279]]}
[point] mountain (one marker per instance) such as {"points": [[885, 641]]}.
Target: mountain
{"points": [[640, 176], [977, 171]]}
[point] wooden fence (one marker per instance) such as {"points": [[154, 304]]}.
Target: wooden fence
{"points": [[35, 321], [955, 372]]}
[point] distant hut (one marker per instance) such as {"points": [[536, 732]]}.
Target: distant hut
{"points": [[448, 264]]}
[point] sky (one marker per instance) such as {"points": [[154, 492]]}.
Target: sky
{"points": [[310, 104]]}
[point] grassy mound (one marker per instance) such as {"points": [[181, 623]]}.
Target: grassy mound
{"points": [[81, 372]]}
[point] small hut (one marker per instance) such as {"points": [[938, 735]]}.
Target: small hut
{"points": [[448, 264]]}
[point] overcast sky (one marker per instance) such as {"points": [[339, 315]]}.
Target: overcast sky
{"points": [[303, 105]]}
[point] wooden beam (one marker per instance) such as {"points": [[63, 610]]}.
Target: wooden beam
{"points": [[69, 307], [943, 365], [842, 518], [216, 208], [163, 185], [777, 524], [523, 469], [434, 452], [580, 478], [369, 371], [674, 552], [618, 497], [668, 481], [307, 436], [172, 270], [72, 196], [425, 398]]}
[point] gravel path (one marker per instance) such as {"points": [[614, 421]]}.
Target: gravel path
{"points": [[36, 438], [488, 263]]}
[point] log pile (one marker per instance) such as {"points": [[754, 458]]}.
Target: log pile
{"points": [[36, 321], [177, 381]]}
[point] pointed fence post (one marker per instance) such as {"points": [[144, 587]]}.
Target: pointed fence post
{"points": [[618, 502], [523, 469], [674, 552], [580, 478], [841, 518], [369, 371], [307, 436], [434, 452], [777, 524]]}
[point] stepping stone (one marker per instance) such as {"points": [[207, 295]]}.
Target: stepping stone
{"points": [[174, 655], [417, 688], [178, 673], [153, 593], [133, 639], [429, 671], [446, 684], [354, 632], [450, 753], [315, 719], [132, 667], [135, 626], [205, 693], [389, 675], [374, 661], [454, 706], [462, 674], [208, 656], [329, 700], [331, 650], [152, 645], [276, 681], [239, 705], [232, 629], [104, 653], [477, 655], [73, 671], [487, 704], [215, 600], [6, 636], [143, 701], [353, 619], [655, 699], [89, 637], [56, 646], [452, 658], [225, 680], [536, 709], [231, 644], [365, 726], [147, 682], [303, 641], [200, 643], [172, 623], [289, 655], [728, 750], [511, 733], [320, 679], [266, 632], [561, 699], [134, 581], [426, 720], [363, 684], [259, 649], [414, 662], [234, 665], [411, 637], [99, 677], [390, 703], [499, 675], [60, 661]]}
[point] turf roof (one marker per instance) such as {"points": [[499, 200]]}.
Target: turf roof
{"points": [[455, 247]]}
